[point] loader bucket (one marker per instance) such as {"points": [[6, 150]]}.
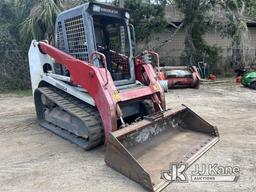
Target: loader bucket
{"points": [[142, 150]]}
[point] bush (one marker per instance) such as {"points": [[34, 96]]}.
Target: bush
{"points": [[14, 71]]}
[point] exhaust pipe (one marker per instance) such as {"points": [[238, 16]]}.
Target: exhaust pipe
{"points": [[144, 149]]}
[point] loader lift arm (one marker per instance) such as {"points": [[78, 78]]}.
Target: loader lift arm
{"points": [[106, 96]]}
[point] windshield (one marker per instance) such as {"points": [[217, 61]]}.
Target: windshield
{"points": [[112, 40]]}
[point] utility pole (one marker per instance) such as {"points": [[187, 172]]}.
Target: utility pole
{"points": [[121, 3]]}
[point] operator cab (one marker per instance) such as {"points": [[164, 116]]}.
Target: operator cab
{"points": [[112, 40], [96, 27]]}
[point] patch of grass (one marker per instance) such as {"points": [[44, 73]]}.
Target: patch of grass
{"points": [[24, 93]]}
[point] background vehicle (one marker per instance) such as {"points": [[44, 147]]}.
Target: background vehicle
{"points": [[249, 80], [181, 76]]}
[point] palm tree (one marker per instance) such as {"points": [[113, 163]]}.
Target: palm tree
{"points": [[40, 15], [40, 20]]}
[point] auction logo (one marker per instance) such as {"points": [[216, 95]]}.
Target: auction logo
{"points": [[176, 173], [203, 173]]}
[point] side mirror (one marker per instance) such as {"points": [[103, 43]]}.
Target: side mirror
{"points": [[133, 38]]}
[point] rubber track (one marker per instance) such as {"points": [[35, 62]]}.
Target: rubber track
{"points": [[86, 113]]}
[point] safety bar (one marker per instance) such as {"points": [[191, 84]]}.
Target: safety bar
{"points": [[91, 60], [157, 59], [133, 36]]}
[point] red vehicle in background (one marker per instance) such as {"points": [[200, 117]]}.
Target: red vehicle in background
{"points": [[180, 76]]}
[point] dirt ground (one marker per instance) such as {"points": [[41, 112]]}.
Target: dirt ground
{"points": [[33, 159]]}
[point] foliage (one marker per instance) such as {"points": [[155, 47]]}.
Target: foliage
{"points": [[198, 21], [251, 7], [22, 93], [235, 23], [13, 66], [40, 17], [6, 12], [21, 21], [146, 16], [70, 3], [41, 20], [196, 24], [236, 29]]}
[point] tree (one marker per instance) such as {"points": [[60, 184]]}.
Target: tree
{"points": [[40, 16], [20, 22], [196, 24], [251, 7], [40, 21], [198, 20], [236, 29], [13, 66], [146, 16]]}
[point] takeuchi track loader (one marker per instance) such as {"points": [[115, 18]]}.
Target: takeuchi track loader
{"points": [[90, 89]]}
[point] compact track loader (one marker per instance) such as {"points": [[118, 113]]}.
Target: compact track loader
{"points": [[90, 89]]}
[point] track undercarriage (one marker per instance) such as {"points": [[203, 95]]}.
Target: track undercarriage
{"points": [[69, 117]]}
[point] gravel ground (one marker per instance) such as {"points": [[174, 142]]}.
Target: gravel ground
{"points": [[34, 159]]}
